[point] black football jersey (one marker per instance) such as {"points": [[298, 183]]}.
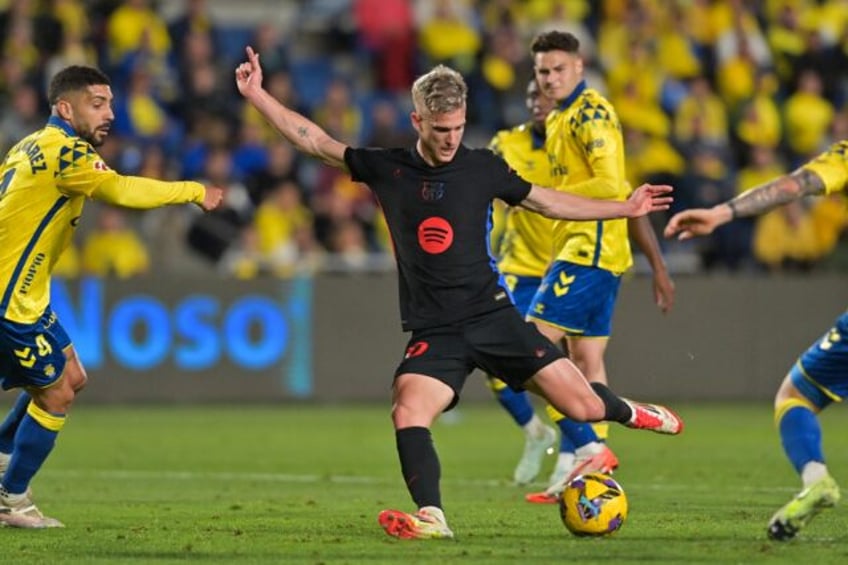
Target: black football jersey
{"points": [[439, 219]]}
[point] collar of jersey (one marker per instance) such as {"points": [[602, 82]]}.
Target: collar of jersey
{"points": [[578, 90], [58, 122]]}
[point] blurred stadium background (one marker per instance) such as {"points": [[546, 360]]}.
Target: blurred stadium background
{"points": [[289, 291]]}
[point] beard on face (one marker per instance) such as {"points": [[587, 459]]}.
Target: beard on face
{"points": [[92, 137]]}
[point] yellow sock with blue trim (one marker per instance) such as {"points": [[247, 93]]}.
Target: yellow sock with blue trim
{"points": [[800, 432], [34, 441]]}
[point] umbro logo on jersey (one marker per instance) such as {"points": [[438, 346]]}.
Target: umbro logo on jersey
{"points": [[432, 190]]}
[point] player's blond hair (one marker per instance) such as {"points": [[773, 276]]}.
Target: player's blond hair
{"points": [[440, 91]]}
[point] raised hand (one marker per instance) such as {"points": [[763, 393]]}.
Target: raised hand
{"points": [[650, 198], [249, 73]]}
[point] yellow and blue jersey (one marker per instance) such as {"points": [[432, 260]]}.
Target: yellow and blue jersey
{"points": [[586, 152], [832, 167], [44, 181], [820, 371], [526, 247]]}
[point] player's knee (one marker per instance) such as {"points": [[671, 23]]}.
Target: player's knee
{"points": [[588, 409], [413, 412], [786, 392], [595, 410], [56, 399], [75, 372], [405, 416]]}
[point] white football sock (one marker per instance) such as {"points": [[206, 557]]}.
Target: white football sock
{"points": [[813, 472]]}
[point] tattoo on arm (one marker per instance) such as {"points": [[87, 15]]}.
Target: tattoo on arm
{"points": [[302, 132], [776, 192], [809, 182]]}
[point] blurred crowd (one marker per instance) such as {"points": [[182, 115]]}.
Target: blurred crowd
{"points": [[715, 96]]}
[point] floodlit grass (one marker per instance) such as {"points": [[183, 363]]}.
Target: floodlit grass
{"points": [[304, 484]]}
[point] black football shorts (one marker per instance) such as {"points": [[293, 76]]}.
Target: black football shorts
{"points": [[500, 343]]}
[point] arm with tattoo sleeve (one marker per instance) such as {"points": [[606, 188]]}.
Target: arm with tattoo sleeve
{"points": [[762, 198], [776, 192]]}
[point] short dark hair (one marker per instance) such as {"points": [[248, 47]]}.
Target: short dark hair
{"points": [[74, 78], [555, 41]]}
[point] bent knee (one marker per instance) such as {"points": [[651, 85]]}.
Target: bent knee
{"points": [[74, 371], [587, 410], [787, 391]]}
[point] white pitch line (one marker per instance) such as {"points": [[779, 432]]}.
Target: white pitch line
{"points": [[134, 475]]}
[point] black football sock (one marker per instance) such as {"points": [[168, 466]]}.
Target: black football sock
{"points": [[420, 466], [617, 410]]}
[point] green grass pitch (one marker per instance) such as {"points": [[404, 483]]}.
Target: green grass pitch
{"points": [[303, 484]]}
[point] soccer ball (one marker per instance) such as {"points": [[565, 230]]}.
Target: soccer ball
{"points": [[593, 505]]}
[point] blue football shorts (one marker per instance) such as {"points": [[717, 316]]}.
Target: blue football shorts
{"points": [[821, 373], [579, 300], [522, 289], [32, 355]]}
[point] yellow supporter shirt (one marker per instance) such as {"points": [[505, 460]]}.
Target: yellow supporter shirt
{"points": [[586, 153], [44, 181], [115, 253], [808, 118], [526, 247]]}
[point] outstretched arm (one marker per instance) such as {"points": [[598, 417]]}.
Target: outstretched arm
{"points": [[762, 198], [304, 134], [566, 206]]}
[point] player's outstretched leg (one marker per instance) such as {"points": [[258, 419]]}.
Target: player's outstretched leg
{"points": [[562, 384], [428, 523], [654, 417], [805, 506], [638, 415]]}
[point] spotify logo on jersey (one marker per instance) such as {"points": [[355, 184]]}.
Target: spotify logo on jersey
{"points": [[435, 235]]}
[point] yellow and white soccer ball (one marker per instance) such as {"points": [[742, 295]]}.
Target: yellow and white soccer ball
{"points": [[593, 504]]}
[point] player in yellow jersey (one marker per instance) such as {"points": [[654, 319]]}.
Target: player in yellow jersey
{"points": [[820, 376], [524, 251], [44, 182], [577, 296]]}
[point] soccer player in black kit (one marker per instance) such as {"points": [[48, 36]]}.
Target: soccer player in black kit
{"points": [[437, 200]]}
